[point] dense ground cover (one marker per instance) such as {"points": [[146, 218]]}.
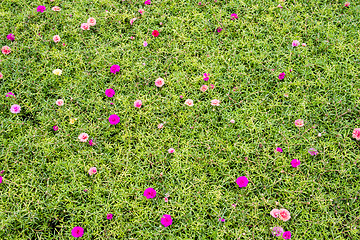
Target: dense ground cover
{"points": [[46, 189]]}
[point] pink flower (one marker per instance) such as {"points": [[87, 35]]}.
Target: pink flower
{"points": [[279, 6], [15, 108], [299, 123], [166, 199], [206, 77], [313, 151], [109, 216], [55, 128], [141, 11], [233, 16], [132, 38], [166, 220], [77, 232], [304, 44], [91, 21], [60, 102], [91, 143], [85, 26], [279, 150], [10, 94], [147, 2], [1, 179], [295, 163], [109, 92], [242, 181], [160, 126], [83, 137], [219, 30], [295, 43], [356, 134], [275, 213], [212, 86], [215, 102], [159, 82], [114, 69], [6, 50], [150, 193], [203, 88], [114, 119], [347, 4], [56, 38], [56, 9], [277, 231], [232, 121], [145, 43], [284, 215], [132, 20], [171, 150], [189, 102], [221, 220], [286, 235], [282, 76], [10, 37], [41, 8], [138, 103], [1, 75], [181, 96], [92, 171]]}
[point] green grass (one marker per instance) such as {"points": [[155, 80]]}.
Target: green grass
{"points": [[45, 172]]}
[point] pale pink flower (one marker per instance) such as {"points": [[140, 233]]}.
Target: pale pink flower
{"points": [[304, 44], [159, 82], [83, 137], [160, 126], [279, 6], [295, 43], [347, 4], [91, 21], [275, 213], [171, 150], [145, 43], [215, 102], [232, 121], [56, 38], [356, 134], [203, 88], [141, 11], [138, 103], [132, 20], [59, 102], [166, 199], [212, 86], [284, 215], [56, 9], [189, 102], [85, 26], [92, 171], [132, 38], [6, 50], [15, 108], [299, 123]]}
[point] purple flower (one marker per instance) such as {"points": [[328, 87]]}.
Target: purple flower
{"points": [[114, 69], [114, 119], [166, 220], [10, 94], [41, 8], [109, 216], [10, 37], [55, 128], [313, 152], [286, 235], [277, 231], [295, 163], [109, 92], [242, 181], [77, 232], [219, 30], [282, 76], [279, 150], [150, 193], [15, 108], [295, 43]]}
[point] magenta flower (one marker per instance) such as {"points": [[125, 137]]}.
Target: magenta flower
{"points": [[212, 86], [295, 163], [286, 235], [15, 108], [114, 119], [55, 128], [347, 4], [150, 193], [91, 143], [242, 181], [110, 92], [10, 37], [282, 76], [279, 150], [206, 77], [313, 152], [41, 8], [9, 94], [219, 30], [277, 231], [166, 220], [114, 69], [77, 232], [221, 220], [109, 216], [147, 2], [234, 16], [1, 179], [295, 43]]}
